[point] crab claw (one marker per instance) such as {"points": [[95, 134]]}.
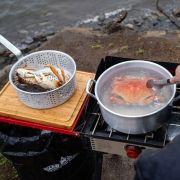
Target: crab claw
{"points": [[119, 101]]}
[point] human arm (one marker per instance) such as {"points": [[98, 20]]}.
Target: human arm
{"points": [[176, 79], [160, 164]]}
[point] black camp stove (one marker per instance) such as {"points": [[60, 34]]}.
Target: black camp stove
{"points": [[105, 139]]}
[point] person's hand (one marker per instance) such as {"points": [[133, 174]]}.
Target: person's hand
{"points": [[176, 78]]}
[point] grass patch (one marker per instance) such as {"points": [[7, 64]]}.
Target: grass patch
{"points": [[7, 171], [96, 46], [140, 51]]}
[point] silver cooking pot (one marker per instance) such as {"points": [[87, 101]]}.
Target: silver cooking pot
{"points": [[127, 123]]}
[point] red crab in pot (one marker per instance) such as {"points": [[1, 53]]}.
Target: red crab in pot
{"points": [[132, 90]]}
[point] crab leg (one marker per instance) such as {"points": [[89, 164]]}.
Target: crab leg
{"points": [[119, 101], [53, 69], [62, 72]]}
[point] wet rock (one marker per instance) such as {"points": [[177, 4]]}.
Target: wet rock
{"points": [[101, 19], [112, 27], [23, 31], [115, 25], [121, 16], [138, 22], [162, 18], [176, 12], [11, 55], [33, 46], [145, 18], [6, 53], [44, 23], [156, 13], [49, 33], [22, 47], [129, 26], [2, 61], [4, 72], [10, 60], [5, 60], [2, 50], [43, 39], [155, 23], [49, 14], [39, 36], [28, 40]]}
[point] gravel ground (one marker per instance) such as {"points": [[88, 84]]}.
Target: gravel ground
{"points": [[145, 34], [87, 47]]}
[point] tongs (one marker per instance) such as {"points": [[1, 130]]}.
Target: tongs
{"points": [[158, 84]]}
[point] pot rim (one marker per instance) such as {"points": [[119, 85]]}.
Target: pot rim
{"points": [[45, 92], [133, 116]]}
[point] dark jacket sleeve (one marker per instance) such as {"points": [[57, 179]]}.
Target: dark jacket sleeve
{"points": [[160, 164]]}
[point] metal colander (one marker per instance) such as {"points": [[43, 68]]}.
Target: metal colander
{"points": [[51, 98]]}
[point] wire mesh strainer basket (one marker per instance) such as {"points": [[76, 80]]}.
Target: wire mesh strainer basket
{"points": [[47, 99]]}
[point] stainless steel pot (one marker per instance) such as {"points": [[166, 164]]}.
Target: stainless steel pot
{"points": [[127, 123]]}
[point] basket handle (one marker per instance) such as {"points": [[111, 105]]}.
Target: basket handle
{"points": [[11, 47]]}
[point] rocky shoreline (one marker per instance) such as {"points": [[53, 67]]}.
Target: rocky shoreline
{"points": [[88, 46], [142, 19], [150, 35], [107, 23], [26, 46]]}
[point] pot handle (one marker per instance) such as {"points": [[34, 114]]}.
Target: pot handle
{"points": [[88, 87], [176, 98], [11, 47]]}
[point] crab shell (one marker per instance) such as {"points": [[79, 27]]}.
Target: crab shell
{"points": [[131, 90], [33, 78]]}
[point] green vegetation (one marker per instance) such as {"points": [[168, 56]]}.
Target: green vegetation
{"points": [[96, 46], [122, 48], [7, 171], [140, 51], [110, 45]]}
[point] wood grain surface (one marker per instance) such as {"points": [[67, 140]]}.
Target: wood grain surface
{"points": [[62, 116]]}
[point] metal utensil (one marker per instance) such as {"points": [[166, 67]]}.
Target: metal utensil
{"points": [[11, 47], [157, 84]]}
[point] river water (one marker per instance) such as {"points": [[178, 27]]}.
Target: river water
{"points": [[19, 18], [22, 18]]}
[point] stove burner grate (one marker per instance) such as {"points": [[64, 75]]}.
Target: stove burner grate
{"points": [[92, 124]]}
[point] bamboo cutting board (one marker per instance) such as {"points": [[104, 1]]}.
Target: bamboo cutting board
{"points": [[62, 116]]}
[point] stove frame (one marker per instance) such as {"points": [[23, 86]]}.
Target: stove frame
{"points": [[104, 139]]}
